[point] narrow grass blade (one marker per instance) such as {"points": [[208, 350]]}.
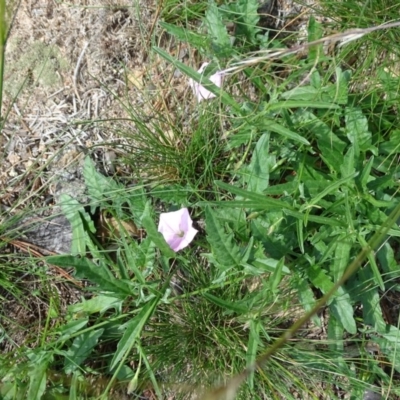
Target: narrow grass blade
{"points": [[3, 35], [260, 199], [132, 333], [281, 130], [331, 188], [225, 97], [252, 346]]}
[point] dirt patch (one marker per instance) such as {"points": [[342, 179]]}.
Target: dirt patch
{"points": [[66, 64]]}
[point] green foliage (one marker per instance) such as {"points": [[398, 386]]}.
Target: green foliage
{"points": [[288, 177]]}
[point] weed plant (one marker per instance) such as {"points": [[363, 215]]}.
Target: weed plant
{"points": [[288, 172]]}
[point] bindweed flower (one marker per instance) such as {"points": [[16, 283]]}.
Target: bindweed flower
{"points": [[177, 229], [200, 91]]}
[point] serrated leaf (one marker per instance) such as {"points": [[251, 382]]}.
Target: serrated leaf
{"points": [[73, 211], [225, 251], [220, 40], [330, 146], [98, 274], [248, 18], [99, 187], [357, 130], [132, 333], [80, 349]]}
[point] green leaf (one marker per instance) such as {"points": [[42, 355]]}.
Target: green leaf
{"points": [[220, 40], [273, 126], [248, 18], [315, 32], [371, 301], [335, 334], [319, 278], [97, 304], [365, 175], [225, 251], [330, 146], [276, 277], [132, 333], [344, 244], [205, 82], [226, 304], [252, 346], [37, 381], [388, 261], [357, 130], [301, 93], [258, 179], [301, 104], [99, 187], [263, 202], [73, 211], [300, 234], [342, 310], [73, 389], [347, 167], [68, 330], [80, 349], [315, 218], [98, 274], [328, 190], [269, 265], [154, 235], [306, 297], [185, 35], [372, 264], [340, 304]]}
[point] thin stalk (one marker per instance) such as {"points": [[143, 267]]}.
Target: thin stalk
{"points": [[3, 37]]}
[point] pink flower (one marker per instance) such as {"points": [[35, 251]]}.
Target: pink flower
{"points": [[176, 227], [200, 91]]}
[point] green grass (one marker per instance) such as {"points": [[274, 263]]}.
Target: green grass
{"points": [[288, 173]]}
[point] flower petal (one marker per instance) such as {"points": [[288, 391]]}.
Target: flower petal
{"points": [[176, 228], [200, 91]]}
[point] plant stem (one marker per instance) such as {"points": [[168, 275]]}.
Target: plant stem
{"points": [[3, 33]]}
